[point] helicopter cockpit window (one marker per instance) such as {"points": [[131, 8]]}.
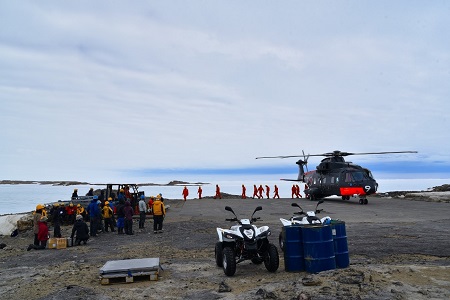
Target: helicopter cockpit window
{"points": [[358, 176], [348, 177]]}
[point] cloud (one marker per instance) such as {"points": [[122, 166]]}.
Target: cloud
{"points": [[116, 87]]}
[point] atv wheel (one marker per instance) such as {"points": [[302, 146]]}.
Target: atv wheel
{"points": [[281, 241], [229, 264], [257, 260], [271, 260], [218, 253]]}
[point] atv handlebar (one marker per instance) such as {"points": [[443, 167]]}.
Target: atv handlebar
{"points": [[319, 211], [255, 219], [231, 220]]}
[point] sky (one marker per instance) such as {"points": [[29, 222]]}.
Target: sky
{"points": [[103, 90]]}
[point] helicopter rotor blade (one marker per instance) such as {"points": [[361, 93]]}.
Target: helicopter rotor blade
{"points": [[337, 153], [374, 153]]}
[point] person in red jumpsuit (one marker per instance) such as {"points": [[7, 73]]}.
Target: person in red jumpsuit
{"points": [[255, 191], [217, 192], [267, 191], [275, 192], [185, 193], [260, 191], [243, 196], [297, 187], [199, 192], [293, 191]]}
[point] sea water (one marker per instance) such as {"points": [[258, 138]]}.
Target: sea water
{"points": [[19, 198]]}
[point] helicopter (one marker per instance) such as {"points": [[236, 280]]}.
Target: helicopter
{"points": [[335, 176]]}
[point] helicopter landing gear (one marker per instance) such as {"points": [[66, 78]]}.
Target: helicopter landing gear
{"points": [[363, 201]]}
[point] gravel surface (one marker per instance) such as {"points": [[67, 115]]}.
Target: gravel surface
{"points": [[399, 249]]}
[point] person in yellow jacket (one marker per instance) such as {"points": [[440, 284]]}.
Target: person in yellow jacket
{"points": [[159, 212], [107, 213], [81, 211]]}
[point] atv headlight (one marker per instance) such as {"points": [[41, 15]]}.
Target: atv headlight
{"points": [[228, 236]]}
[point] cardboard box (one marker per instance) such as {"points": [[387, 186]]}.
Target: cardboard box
{"points": [[61, 243], [51, 243]]}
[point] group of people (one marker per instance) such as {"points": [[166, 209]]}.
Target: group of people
{"points": [[258, 192], [185, 192], [101, 216]]}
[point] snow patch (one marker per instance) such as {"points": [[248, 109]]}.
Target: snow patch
{"points": [[8, 223]]}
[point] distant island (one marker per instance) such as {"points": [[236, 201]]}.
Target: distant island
{"points": [[68, 183]]}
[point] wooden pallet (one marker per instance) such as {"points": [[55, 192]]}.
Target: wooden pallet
{"points": [[126, 278]]}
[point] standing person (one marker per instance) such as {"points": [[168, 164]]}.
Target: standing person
{"points": [[275, 192], [81, 211], [121, 196], [293, 191], [94, 216], [108, 217], [260, 191], [255, 191], [128, 211], [71, 213], [185, 193], [218, 195], [75, 194], [81, 229], [306, 187], [142, 211], [150, 204], [159, 212], [243, 196], [297, 191], [91, 192], [267, 191], [36, 219], [56, 221], [199, 192], [120, 216], [42, 235]]}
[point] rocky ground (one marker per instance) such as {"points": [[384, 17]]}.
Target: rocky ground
{"points": [[399, 249]]}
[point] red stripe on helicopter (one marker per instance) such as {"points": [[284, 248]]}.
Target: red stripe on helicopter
{"points": [[349, 191]]}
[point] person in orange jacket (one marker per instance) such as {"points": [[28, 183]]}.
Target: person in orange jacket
{"points": [[275, 192], [260, 192], [217, 192], [267, 191], [185, 193], [255, 191], [243, 196], [199, 192]]}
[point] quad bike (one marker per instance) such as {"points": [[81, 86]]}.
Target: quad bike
{"points": [[304, 218], [245, 241]]}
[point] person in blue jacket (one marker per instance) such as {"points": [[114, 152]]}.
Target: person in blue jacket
{"points": [[94, 215]]}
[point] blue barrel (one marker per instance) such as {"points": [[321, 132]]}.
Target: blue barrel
{"points": [[318, 248], [340, 244], [293, 249]]}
